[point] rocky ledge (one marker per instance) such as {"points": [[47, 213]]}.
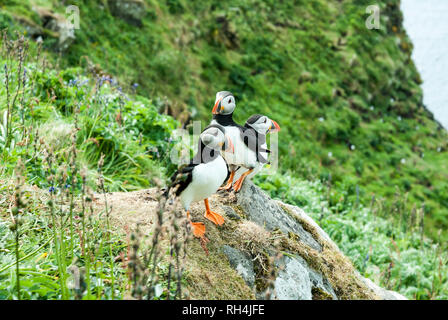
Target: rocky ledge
{"points": [[266, 250]]}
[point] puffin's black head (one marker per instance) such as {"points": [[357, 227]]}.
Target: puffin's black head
{"points": [[262, 124], [224, 103]]}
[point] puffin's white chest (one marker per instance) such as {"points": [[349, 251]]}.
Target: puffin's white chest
{"points": [[257, 168], [206, 179], [242, 155]]}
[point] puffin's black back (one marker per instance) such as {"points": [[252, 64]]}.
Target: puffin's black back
{"points": [[184, 175]]}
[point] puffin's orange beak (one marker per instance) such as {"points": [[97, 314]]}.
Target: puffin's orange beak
{"points": [[275, 128], [215, 108], [230, 148]]}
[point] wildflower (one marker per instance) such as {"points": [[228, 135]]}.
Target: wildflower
{"points": [[403, 161], [366, 258], [51, 189], [321, 119], [439, 149], [330, 154], [372, 108], [135, 85], [399, 118], [352, 147]]}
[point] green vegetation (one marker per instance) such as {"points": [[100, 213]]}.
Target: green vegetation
{"points": [[63, 135], [390, 250], [334, 86], [357, 148]]}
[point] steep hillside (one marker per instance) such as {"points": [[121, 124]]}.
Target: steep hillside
{"points": [[347, 97], [65, 134]]}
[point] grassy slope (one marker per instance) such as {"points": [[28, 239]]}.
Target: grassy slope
{"points": [[312, 65], [410, 265]]}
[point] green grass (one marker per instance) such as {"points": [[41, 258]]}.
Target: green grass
{"points": [[65, 134], [310, 65], [391, 251], [51, 257]]}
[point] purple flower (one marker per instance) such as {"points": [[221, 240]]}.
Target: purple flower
{"points": [[51, 189], [366, 258]]}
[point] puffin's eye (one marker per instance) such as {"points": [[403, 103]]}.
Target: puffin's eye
{"points": [[230, 100], [265, 120]]}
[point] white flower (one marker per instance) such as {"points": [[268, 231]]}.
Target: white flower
{"points": [[352, 147], [321, 119], [372, 108], [330, 154], [439, 149], [399, 118], [403, 161]]}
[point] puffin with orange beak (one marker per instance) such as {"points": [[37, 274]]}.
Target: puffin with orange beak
{"points": [[206, 172], [251, 151], [223, 115], [255, 147]]}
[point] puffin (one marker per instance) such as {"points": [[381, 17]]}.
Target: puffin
{"points": [[255, 147], [223, 115], [202, 177]]}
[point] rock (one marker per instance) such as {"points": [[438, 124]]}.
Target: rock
{"points": [[293, 282], [381, 292], [266, 212], [58, 25], [257, 242], [242, 263], [32, 29], [297, 281], [227, 33], [132, 11], [301, 215], [231, 213], [320, 287]]}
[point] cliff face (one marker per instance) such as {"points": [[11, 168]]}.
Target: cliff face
{"points": [[348, 98], [265, 250]]}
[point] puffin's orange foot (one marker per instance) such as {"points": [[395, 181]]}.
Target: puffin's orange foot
{"points": [[214, 217], [229, 183], [198, 229], [238, 184], [227, 187]]}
